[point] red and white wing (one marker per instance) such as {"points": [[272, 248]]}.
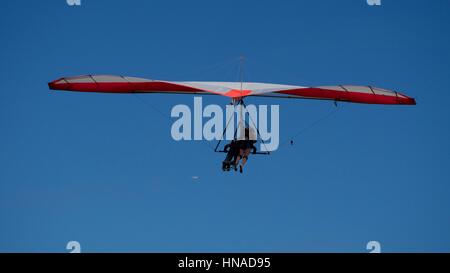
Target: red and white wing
{"points": [[346, 93], [122, 84]]}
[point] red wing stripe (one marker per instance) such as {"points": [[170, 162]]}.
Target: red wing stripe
{"points": [[122, 87], [348, 96]]}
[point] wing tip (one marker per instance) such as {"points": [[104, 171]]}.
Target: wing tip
{"points": [[52, 85], [411, 101]]}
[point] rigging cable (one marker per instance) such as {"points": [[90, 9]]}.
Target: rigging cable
{"points": [[309, 127]]}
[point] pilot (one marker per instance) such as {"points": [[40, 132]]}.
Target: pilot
{"points": [[232, 151]]}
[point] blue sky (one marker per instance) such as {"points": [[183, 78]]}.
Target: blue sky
{"points": [[103, 170]]}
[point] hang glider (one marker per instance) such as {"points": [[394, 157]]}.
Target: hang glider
{"points": [[233, 90]]}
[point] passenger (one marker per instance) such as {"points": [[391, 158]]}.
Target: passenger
{"points": [[246, 145]]}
